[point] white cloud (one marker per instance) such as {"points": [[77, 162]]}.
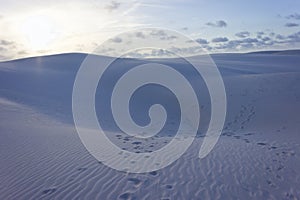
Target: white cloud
{"points": [[116, 39], [113, 5], [219, 24], [291, 24], [243, 34], [219, 39], [294, 16]]}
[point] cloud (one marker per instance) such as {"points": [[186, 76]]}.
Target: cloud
{"points": [[6, 49], [259, 42], [260, 34], [22, 52], [293, 38], [291, 24], [219, 39], [243, 34], [265, 39], [162, 35], [114, 5], [158, 33], [6, 43], [116, 40], [248, 40], [140, 35], [185, 28], [202, 41], [272, 34], [218, 24], [280, 37], [106, 51], [294, 16], [245, 43], [153, 53]]}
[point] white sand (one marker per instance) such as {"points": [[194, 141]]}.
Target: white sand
{"points": [[257, 156]]}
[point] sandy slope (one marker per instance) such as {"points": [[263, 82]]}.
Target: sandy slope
{"points": [[257, 156]]}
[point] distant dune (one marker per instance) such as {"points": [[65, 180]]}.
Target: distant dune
{"points": [[282, 52]]}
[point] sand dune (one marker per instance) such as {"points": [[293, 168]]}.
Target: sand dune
{"points": [[256, 157]]}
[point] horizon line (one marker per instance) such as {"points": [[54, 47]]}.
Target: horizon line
{"points": [[147, 58]]}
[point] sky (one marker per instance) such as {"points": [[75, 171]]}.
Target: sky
{"points": [[31, 27]]}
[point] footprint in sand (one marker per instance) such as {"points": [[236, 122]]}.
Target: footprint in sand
{"points": [[81, 169], [135, 181], [246, 140], [261, 144], [136, 143], [154, 173], [169, 187], [49, 191], [126, 196], [270, 183]]}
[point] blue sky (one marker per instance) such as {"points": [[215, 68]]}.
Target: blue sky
{"points": [[30, 28]]}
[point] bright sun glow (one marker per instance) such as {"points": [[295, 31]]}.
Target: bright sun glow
{"points": [[39, 31]]}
